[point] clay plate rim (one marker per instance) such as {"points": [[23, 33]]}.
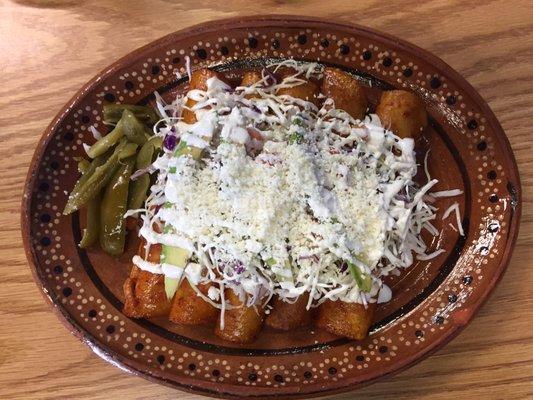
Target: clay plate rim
{"points": [[277, 20]]}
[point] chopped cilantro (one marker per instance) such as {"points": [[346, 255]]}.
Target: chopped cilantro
{"points": [[295, 137], [297, 121]]}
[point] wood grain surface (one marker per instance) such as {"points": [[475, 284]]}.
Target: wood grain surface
{"points": [[49, 48]]}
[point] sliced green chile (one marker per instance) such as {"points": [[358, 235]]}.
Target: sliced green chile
{"points": [[113, 207], [83, 164], [157, 142], [74, 194], [132, 128], [92, 230], [113, 113], [127, 150], [93, 181], [106, 142], [140, 186], [138, 193], [129, 126]]}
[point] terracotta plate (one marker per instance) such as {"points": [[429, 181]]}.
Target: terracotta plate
{"points": [[433, 300]]}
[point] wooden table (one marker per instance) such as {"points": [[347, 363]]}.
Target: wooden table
{"points": [[49, 48]]}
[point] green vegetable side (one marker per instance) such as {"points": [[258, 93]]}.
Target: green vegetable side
{"points": [[105, 189]]}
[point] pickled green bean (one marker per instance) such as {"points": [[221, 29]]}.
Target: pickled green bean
{"points": [[97, 162], [133, 129], [138, 193], [83, 164], [127, 150], [104, 186], [113, 113], [106, 142], [157, 142], [91, 231], [140, 186], [113, 207], [90, 184]]}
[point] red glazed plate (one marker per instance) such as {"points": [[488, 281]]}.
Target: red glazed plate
{"points": [[432, 301]]}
